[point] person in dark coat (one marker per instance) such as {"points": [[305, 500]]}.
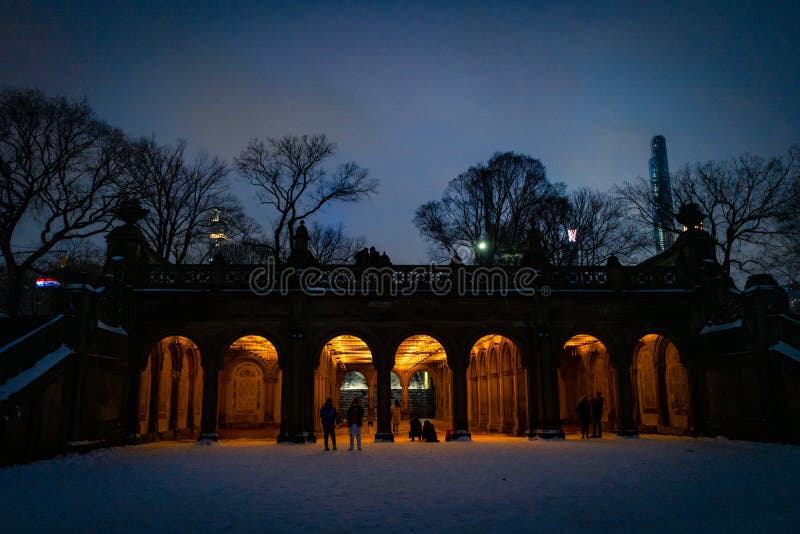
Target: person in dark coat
{"points": [[355, 418], [597, 415], [416, 428], [328, 415], [429, 433], [584, 411]]}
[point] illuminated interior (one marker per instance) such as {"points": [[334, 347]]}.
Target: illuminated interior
{"points": [[582, 340], [255, 345], [416, 350], [349, 350], [486, 342]]}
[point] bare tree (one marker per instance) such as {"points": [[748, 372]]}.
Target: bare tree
{"points": [[598, 229], [187, 202], [289, 177], [331, 246], [743, 200], [485, 212], [62, 171]]}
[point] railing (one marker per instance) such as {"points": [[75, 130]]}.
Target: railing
{"points": [[21, 353], [404, 279]]}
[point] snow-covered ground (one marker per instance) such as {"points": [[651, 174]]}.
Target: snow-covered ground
{"points": [[490, 484]]}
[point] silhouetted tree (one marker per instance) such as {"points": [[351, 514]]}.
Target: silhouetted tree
{"points": [[62, 172], [186, 201], [486, 211], [289, 177], [331, 246], [743, 200]]}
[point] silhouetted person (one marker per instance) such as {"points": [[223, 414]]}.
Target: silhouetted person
{"points": [[597, 415], [429, 433], [374, 257], [397, 412], [384, 259], [362, 256], [328, 415], [355, 417], [416, 428], [584, 411]]}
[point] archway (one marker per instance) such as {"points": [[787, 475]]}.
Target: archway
{"points": [[421, 363], [661, 386], [171, 390], [345, 372], [584, 369], [497, 387], [250, 389]]}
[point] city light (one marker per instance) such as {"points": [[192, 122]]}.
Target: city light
{"points": [[47, 282], [482, 245], [572, 235]]}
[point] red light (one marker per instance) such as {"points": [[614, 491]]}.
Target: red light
{"points": [[47, 282]]}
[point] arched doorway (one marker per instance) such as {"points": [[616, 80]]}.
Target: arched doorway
{"points": [[497, 387], [250, 389], [420, 361], [171, 390], [584, 369], [345, 372], [661, 386]]}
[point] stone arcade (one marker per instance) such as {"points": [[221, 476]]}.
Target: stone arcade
{"points": [[154, 351]]}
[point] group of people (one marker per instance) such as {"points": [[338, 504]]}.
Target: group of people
{"points": [[354, 420], [372, 257], [591, 411]]}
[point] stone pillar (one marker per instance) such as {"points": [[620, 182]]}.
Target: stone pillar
{"points": [[210, 417], [370, 407], [132, 431], [458, 372], [626, 424], [383, 367], [533, 396], [550, 416], [405, 400], [297, 393]]}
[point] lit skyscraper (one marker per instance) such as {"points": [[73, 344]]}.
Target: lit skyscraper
{"points": [[662, 194]]}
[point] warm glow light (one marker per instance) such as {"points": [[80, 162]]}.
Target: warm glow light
{"points": [[349, 350], [581, 340], [220, 236], [255, 345], [416, 350]]}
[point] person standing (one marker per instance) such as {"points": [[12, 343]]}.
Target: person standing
{"points": [[397, 412], [355, 416], [328, 415], [584, 411], [597, 415]]}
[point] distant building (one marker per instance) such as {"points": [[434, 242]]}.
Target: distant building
{"points": [[662, 194], [218, 231]]}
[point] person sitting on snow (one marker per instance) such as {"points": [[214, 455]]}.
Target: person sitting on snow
{"points": [[429, 433], [416, 428]]}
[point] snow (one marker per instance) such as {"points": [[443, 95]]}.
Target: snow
{"points": [[32, 332], [720, 327], [17, 383], [490, 484], [787, 350], [115, 329]]}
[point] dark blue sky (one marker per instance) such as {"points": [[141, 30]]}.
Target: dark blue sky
{"points": [[418, 92]]}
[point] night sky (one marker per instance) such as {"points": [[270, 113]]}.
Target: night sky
{"points": [[417, 93]]}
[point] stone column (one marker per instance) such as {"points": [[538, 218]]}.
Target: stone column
{"points": [[550, 416], [458, 372], [210, 418], [383, 366], [626, 424], [405, 399], [533, 395], [297, 393]]}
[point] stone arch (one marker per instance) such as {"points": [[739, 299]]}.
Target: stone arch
{"points": [[339, 354], [418, 351], [497, 386], [585, 369], [170, 382], [250, 388], [660, 383]]}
